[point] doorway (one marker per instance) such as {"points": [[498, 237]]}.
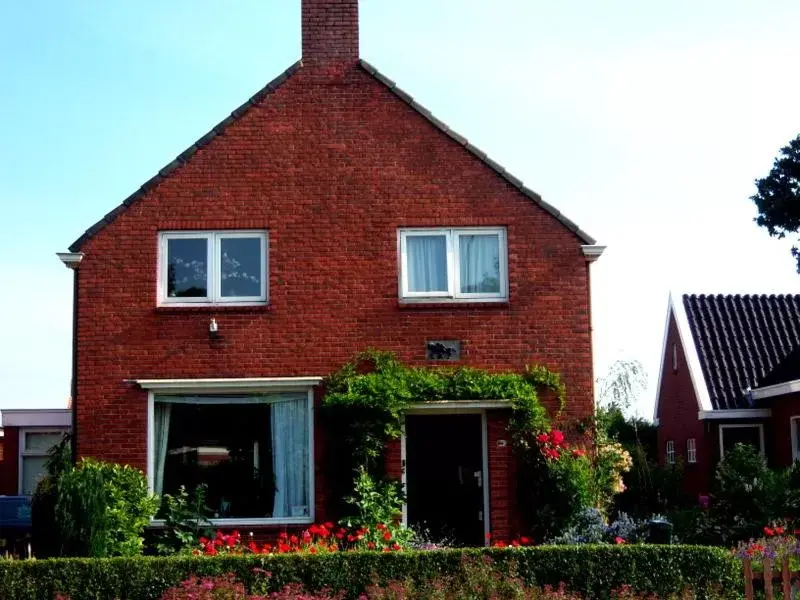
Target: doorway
{"points": [[445, 472]]}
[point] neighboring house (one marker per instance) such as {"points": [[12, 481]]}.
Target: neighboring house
{"points": [[730, 373], [328, 214]]}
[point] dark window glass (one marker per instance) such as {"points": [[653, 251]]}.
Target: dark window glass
{"points": [[741, 435], [187, 268], [241, 269]]}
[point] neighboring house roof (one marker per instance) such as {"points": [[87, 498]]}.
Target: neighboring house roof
{"points": [[735, 343], [186, 155]]}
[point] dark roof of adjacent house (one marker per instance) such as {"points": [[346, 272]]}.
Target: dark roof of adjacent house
{"points": [[272, 86], [744, 342]]}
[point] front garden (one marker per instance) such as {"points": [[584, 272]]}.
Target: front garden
{"points": [[575, 541]]}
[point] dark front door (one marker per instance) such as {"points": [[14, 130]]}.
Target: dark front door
{"points": [[444, 477]]}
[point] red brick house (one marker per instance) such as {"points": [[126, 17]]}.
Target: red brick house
{"points": [[730, 373], [329, 213]]}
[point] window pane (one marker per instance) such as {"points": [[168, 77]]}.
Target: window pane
{"points": [[479, 257], [253, 457], [241, 268], [741, 435], [187, 268], [41, 442], [427, 263], [32, 472]]}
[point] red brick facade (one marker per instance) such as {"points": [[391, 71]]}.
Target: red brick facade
{"points": [[331, 163]]}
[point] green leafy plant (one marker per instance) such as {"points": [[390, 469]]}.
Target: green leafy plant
{"points": [[186, 520], [103, 508]]}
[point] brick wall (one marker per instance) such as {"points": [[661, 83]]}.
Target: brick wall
{"points": [[331, 165]]}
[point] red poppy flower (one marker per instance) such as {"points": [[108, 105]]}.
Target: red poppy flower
{"points": [[371, 545], [619, 540], [328, 525], [524, 540], [557, 437], [542, 438], [769, 531], [387, 536]]}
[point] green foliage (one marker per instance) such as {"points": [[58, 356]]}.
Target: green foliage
{"points": [[46, 538], [553, 493], [590, 570], [186, 520], [380, 389], [103, 508], [778, 195]]}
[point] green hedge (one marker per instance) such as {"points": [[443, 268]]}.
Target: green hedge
{"points": [[593, 570]]}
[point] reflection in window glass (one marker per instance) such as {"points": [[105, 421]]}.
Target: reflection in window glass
{"points": [[427, 263], [480, 264], [187, 268], [32, 471], [42, 441], [241, 268], [251, 454]]}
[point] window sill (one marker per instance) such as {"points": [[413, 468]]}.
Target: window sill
{"points": [[450, 303], [254, 522], [209, 308]]}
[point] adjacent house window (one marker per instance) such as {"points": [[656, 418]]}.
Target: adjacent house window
{"points": [[670, 452], [454, 264], [691, 450], [795, 427], [751, 434], [253, 453], [213, 267], [34, 446]]}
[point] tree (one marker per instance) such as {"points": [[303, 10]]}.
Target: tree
{"points": [[625, 381], [778, 196]]}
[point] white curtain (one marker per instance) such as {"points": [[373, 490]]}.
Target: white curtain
{"points": [[427, 263], [290, 457], [480, 263], [161, 414]]}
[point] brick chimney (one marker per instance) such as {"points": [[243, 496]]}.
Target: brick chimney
{"points": [[330, 31]]}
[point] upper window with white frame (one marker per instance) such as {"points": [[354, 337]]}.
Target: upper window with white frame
{"points": [[670, 452], [468, 264], [691, 450], [212, 267]]}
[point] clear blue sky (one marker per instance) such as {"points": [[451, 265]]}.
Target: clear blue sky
{"points": [[644, 122]]}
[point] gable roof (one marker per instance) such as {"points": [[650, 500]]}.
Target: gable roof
{"points": [[742, 342], [187, 154]]}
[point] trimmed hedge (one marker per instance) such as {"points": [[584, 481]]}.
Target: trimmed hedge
{"points": [[592, 570]]}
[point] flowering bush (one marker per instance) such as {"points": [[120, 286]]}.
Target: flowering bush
{"points": [[610, 462], [317, 539], [779, 543], [590, 527]]}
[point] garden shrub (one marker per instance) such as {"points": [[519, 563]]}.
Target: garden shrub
{"points": [[588, 570], [103, 509], [186, 520]]}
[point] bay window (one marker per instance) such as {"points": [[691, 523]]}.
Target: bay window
{"points": [[253, 452], [454, 264]]}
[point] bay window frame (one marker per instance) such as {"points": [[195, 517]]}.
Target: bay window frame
{"points": [[223, 388]]}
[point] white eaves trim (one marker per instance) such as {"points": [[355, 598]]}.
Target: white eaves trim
{"points": [[44, 417], [676, 309], [779, 389], [592, 252], [456, 405], [245, 384], [71, 260], [743, 413]]}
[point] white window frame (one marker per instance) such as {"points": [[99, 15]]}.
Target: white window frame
{"points": [[691, 450], [669, 452], [453, 293], [794, 423], [213, 267], [23, 433], [206, 389], [723, 427]]}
